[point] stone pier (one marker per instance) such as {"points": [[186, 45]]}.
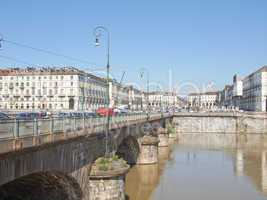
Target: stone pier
{"points": [[108, 184], [148, 150], [163, 137]]}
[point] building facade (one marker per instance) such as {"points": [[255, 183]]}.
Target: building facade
{"points": [[64, 89], [50, 89], [163, 100], [237, 92], [207, 100], [255, 91]]}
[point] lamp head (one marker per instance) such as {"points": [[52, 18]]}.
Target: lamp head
{"points": [[1, 40], [97, 44]]}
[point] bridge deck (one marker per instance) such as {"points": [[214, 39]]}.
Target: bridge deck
{"points": [[19, 134]]}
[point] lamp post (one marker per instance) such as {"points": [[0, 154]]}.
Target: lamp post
{"points": [[147, 89], [160, 93], [97, 33], [1, 40]]}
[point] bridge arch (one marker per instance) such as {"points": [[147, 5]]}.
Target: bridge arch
{"points": [[42, 186], [129, 150]]}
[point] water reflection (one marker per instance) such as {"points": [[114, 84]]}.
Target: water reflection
{"points": [[253, 165], [143, 179], [195, 172]]}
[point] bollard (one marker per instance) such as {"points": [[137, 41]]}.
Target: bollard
{"points": [[83, 123], [51, 125], [16, 128], [35, 127]]}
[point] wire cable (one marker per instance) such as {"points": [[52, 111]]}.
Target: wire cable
{"points": [[48, 52], [18, 60]]}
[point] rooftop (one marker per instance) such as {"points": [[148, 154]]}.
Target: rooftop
{"points": [[203, 93]]}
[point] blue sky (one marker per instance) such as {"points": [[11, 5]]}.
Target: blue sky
{"points": [[201, 41]]}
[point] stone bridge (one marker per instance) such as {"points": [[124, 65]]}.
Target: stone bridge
{"points": [[221, 130], [54, 160], [57, 165]]}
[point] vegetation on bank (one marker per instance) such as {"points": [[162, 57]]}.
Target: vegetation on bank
{"points": [[110, 163], [171, 128]]}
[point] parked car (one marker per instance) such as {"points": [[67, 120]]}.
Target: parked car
{"points": [[29, 115], [121, 111], [63, 114], [89, 114], [3, 116], [105, 112]]}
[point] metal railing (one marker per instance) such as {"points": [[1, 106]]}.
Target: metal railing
{"points": [[16, 128]]}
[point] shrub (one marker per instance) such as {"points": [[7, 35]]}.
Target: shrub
{"points": [[171, 128]]}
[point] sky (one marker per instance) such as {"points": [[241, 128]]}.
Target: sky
{"points": [[199, 42]]}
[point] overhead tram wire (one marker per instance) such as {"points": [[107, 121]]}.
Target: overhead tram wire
{"points": [[48, 52], [2, 40], [18, 61]]}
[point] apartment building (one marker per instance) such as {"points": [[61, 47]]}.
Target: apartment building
{"points": [[62, 89], [50, 89], [207, 100], [158, 100], [237, 91], [255, 91]]}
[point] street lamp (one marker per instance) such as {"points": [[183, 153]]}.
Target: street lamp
{"points": [[1, 40], [147, 89], [97, 33]]}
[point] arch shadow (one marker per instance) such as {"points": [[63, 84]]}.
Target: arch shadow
{"points": [[50, 185], [129, 150]]}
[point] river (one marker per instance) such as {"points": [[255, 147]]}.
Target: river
{"points": [[189, 172]]}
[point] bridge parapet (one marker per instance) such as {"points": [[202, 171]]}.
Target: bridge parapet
{"points": [[18, 134]]}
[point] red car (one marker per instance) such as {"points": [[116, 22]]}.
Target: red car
{"points": [[105, 112]]}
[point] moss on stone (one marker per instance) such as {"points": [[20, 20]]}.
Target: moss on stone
{"points": [[109, 163]]}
